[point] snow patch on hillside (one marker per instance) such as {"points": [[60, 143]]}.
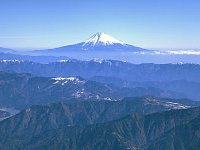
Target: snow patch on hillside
{"points": [[63, 81], [167, 104], [11, 61]]}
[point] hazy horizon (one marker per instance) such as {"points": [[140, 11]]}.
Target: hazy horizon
{"points": [[66, 44]]}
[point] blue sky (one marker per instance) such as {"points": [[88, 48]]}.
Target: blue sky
{"points": [[37, 24]]}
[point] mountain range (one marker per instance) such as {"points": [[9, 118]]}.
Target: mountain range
{"points": [[107, 68], [178, 80], [23, 90], [48, 100]]}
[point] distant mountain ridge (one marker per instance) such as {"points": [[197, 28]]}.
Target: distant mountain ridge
{"points": [[38, 59], [107, 68], [6, 50], [189, 88]]}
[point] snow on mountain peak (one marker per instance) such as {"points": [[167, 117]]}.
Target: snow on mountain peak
{"points": [[101, 39]]}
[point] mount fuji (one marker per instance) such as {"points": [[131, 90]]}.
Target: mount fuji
{"points": [[99, 42]]}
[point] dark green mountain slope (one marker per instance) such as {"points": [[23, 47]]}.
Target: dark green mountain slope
{"points": [[185, 137], [91, 125]]}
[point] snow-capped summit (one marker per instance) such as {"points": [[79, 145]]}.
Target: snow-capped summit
{"points": [[101, 39], [103, 42]]}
